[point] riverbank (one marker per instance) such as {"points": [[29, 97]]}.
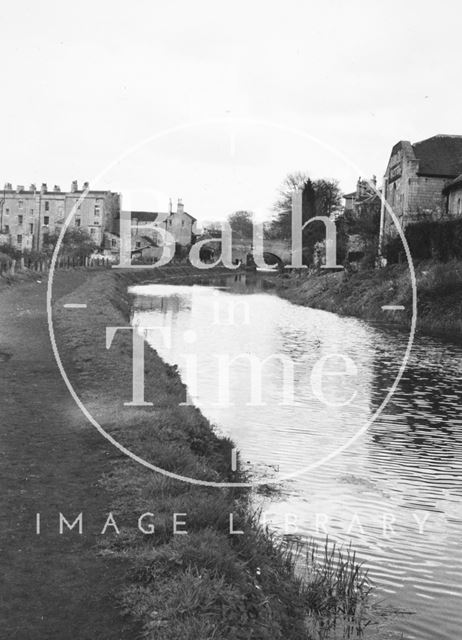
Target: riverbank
{"points": [[363, 294], [212, 582], [53, 585]]}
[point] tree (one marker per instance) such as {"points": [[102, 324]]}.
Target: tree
{"points": [[328, 197], [363, 221], [281, 225], [75, 242], [241, 223], [322, 198], [319, 198]]}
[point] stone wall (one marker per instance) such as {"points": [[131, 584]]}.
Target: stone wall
{"points": [[411, 196], [455, 202]]}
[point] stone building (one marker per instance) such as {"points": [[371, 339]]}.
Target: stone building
{"points": [[365, 189], [362, 215], [145, 240], [453, 197], [179, 223], [27, 215], [416, 177]]}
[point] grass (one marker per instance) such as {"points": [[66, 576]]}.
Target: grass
{"points": [[209, 584], [362, 294], [337, 590]]}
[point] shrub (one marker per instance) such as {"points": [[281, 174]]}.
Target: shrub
{"points": [[441, 240]]}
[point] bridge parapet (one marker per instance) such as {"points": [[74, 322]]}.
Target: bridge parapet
{"points": [[277, 248]]}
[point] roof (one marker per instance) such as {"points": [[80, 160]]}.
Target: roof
{"points": [[38, 192], [454, 184], [150, 241], [145, 216], [439, 156], [151, 216]]}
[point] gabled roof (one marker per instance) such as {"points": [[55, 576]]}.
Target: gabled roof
{"points": [[439, 156], [151, 216], [145, 216], [454, 184]]}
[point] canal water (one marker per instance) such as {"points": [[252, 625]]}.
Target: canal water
{"points": [[393, 487]]}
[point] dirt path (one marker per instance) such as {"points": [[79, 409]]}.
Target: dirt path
{"points": [[53, 586]]}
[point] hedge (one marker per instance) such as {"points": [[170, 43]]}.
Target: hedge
{"points": [[438, 240]]}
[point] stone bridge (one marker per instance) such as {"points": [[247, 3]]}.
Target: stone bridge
{"points": [[274, 251]]}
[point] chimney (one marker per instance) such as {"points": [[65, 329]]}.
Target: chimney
{"points": [[8, 186], [170, 207], [32, 187], [180, 206], [86, 185], [56, 188], [43, 188], [74, 186], [19, 188]]}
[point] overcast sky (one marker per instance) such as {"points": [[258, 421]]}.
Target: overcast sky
{"points": [[84, 83]]}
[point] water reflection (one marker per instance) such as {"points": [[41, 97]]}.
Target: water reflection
{"points": [[396, 492]]}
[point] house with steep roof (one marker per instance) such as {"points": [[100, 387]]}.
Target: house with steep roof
{"points": [[417, 176], [146, 242], [179, 223]]}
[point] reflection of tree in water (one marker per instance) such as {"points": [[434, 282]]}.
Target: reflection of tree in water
{"points": [[422, 419], [173, 303]]}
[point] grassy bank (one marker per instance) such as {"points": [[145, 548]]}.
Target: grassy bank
{"points": [[362, 294], [207, 583]]}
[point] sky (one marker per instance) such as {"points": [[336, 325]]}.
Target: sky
{"points": [[215, 102]]}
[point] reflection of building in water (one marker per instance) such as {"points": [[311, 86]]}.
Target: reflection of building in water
{"points": [[163, 303]]}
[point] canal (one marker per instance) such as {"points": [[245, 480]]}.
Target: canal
{"points": [[392, 488]]}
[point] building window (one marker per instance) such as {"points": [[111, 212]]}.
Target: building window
{"points": [[97, 210], [170, 222], [138, 245], [31, 228], [182, 223], [20, 218], [47, 205], [113, 243], [7, 228], [7, 211], [20, 204], [97, 222], [46, 220], [77, 222], [19, 238], [31, 212], [92, 232]]}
